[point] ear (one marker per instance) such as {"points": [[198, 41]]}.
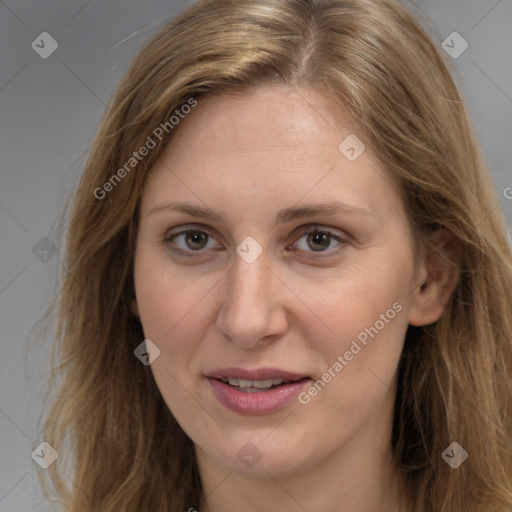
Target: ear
{"points": [[441, 276], [135, 307]]}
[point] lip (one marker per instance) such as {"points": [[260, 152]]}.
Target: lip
{"points": [[260, 402]]}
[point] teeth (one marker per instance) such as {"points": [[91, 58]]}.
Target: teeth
{"points": [[261, 384], [258, 384]]}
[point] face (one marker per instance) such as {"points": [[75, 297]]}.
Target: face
{"points": [[274, 271]]}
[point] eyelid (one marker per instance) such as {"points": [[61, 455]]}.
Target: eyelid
{"points": [[188, 227], [312, 228]]}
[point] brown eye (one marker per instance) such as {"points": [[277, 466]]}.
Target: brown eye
{"points": [[190, 241], [319, 241], [196, 239]]}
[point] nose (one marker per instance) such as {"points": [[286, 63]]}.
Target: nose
{"points": [[252, 312]]}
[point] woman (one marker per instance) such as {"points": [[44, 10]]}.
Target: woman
{"points": [[287, 283]]}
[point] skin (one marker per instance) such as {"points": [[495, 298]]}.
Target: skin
{"points": [[247, 157]]}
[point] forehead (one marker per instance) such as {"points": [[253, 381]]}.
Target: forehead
{"points": [[275, 142], [269, 117]]}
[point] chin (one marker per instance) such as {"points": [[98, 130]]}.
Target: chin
{"points": [[259, 456]]}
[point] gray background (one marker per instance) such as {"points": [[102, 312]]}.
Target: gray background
{"points": [[49, 110]]}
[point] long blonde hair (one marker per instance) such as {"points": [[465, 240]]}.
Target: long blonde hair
{"points": [[106, 417]]}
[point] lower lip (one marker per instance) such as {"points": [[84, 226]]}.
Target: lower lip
{"points": [[259, 402]]}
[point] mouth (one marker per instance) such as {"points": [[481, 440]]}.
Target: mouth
{"points": [[259, 391]]}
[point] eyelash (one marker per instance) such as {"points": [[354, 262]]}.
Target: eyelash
{"points": [[304, 231]]}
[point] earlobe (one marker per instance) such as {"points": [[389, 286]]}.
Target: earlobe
{"points": [[135, 308], [431, 297]]}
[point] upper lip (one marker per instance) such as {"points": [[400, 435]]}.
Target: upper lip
{"points": [[256, 374]]}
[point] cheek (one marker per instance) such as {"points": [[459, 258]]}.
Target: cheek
{"points": [[164, 297], [176, 312], [354, 302], [165, 308], [169, 310], [365, 313]]}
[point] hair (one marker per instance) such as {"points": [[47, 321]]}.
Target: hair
{"points": [[374, 59]]}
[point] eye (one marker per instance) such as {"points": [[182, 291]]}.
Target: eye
{"points": [[193, 241], [190, 240], [317, 240]]}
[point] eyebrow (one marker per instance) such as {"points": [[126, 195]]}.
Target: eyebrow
{"points": [[285, 215]]}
